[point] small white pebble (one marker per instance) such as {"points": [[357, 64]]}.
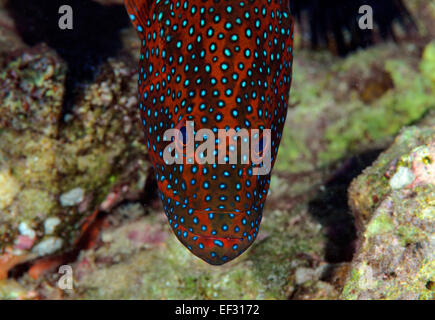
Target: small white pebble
{"points": [[366, 280], [48, 246], [303, 275], [402, 178], [50, 225], [25, 230], [72, 197]]}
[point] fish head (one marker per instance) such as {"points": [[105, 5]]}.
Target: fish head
{"points": [[214, 80]]}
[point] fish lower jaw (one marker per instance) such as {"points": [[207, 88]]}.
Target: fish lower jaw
{"points": [[213, 249]]}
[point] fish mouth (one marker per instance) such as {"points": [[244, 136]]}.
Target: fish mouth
{"points": [[216, 250], [216, 236]]}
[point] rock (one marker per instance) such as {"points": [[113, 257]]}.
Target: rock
{"points": [[11, 289], [9, 188], [152, 264], [90, 154], [24, 229], [72, 197], [366, 193], [347, 107], [424, 13], [303, 275], [48, 246], [9, 41], [402, 178], [50, 225], [54, 174], [394, 201]]}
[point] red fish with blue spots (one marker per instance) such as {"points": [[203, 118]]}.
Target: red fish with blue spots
{"points": [[214, 64]]}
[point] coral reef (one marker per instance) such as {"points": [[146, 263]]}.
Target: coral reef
{"points": [[355, 105], [62, 166], [74, 169], [395, 201]]}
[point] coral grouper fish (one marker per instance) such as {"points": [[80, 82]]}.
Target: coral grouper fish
{"points": [[213, 65]]}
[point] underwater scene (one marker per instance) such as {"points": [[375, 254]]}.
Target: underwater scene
{"points": [[115, 177]]}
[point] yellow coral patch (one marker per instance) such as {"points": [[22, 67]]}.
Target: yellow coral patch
{"points": [[8, 188]]}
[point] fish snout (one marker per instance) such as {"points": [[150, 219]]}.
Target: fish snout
{"points": [[217, 236]]}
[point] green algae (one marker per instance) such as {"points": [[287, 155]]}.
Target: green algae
{"points": [[380, 224], [169, 271], [373, 185], [46, 157], [332, 115], [332, 119], [428, 64], [384, 117], [396, 255]]}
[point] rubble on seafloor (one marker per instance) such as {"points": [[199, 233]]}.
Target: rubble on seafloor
{"points": [[59, 166], [62, 166]]}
